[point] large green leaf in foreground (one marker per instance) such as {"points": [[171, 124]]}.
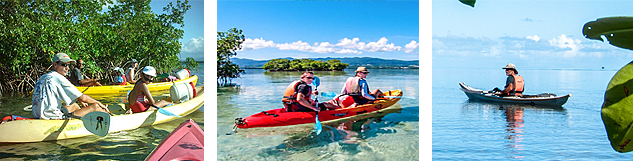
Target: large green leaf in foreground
{"points": [[617, 109], [617, 30]]}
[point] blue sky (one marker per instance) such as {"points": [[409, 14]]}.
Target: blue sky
{"points": [[311, 29], [193, 39], [530, 34]]}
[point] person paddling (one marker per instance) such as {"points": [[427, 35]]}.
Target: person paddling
{"points": [[297, 96], [357, 87], [514, 82], [140, 99], [54, 96]]}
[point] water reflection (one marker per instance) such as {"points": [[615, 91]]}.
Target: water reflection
{"points": [[513, 117], [514, 130]]}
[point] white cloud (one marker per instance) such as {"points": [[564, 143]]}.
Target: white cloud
{"points": [[564, 42], [410, 47], [535, 38], [344, 46], [256, 43], [193, 48]]}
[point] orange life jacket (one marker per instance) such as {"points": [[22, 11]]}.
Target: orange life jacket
{"points": [[352, 87], [290, 96], [518, 84], [124, 80]]}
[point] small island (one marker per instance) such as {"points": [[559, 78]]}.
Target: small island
{"points": [[304, 64]]}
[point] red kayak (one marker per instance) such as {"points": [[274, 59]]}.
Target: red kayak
{"points": [[186, 142], [279, 117]]}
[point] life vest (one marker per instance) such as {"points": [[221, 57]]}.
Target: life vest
{"points": [[290, 96], [518, 84], [124, 80], [352, 87]]}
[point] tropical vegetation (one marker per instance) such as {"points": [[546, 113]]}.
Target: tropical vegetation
{"points": [[304, 65], [104, 33], [228, 44]]}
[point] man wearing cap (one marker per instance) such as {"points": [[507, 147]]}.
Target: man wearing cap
{"points": [[140, 98], [129, 75], [53, 94], [514, 83], [78, 79], [359, 90]]}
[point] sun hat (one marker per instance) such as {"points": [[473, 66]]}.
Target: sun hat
{"points": [[149, 70], [133, 61], [362, 69], [63, 57], [120, 70], [511, 66]]}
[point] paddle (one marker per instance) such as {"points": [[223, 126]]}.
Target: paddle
{"points": [[96, 122], [317, 123], [165, 112], [332, 95]]}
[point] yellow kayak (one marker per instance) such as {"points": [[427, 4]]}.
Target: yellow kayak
{"points": [[118, 89], [38, 130]]}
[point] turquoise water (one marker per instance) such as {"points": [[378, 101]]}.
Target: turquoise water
{"points": [[391, 136], [125, 145], [469, 130]]}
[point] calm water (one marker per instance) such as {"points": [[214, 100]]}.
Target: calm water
{"points": [[125, 145], [465, 130], [393, 136]]}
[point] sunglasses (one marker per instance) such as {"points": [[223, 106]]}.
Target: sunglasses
{"points": [[365, 72], [62, 64], [310, 78]]}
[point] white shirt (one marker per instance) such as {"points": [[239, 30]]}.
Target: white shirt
{"points": [[129, 74], [50, 91]]}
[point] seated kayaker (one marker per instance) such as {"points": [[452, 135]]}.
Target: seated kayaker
{"points": [[129, 74], [54, 96], [514, 83], [119, 79], [140, 99], [78, 79], [357, 88], [297, 96]]}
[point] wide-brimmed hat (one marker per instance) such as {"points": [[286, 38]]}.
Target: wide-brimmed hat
{"points": [[63, 57], [149, 70], [511, 66], [133, 61], [117, 69], [362, 69]]}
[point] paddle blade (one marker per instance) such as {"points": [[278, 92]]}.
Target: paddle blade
{"points": [[97, 123], [317, 125], [328, 94], [316, 81], [165, 112]]}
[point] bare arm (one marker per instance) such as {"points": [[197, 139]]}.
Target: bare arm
{"points": [[508, 89], [306, 103]]}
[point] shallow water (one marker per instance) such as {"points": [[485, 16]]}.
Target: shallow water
{"points": [[125, 145], [470, 130], [393, 136]]}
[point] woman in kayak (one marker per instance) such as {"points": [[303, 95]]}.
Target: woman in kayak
{"points": [[357, 88], [297, 97], [140, 98], [53, 94]]}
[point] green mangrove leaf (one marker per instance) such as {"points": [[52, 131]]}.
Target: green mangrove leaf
{"points": [[617, 111], [471, 3], [617, 30]]}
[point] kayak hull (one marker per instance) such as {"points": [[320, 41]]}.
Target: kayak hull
{"points": [[186, 142], [38, 130], [278, 117], [122, 89], [480, 95]]}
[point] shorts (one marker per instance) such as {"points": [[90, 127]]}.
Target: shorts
{"points": [[139, 107]]}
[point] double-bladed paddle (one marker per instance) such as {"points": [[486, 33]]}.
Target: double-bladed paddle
{"points": [[317, 123]]}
